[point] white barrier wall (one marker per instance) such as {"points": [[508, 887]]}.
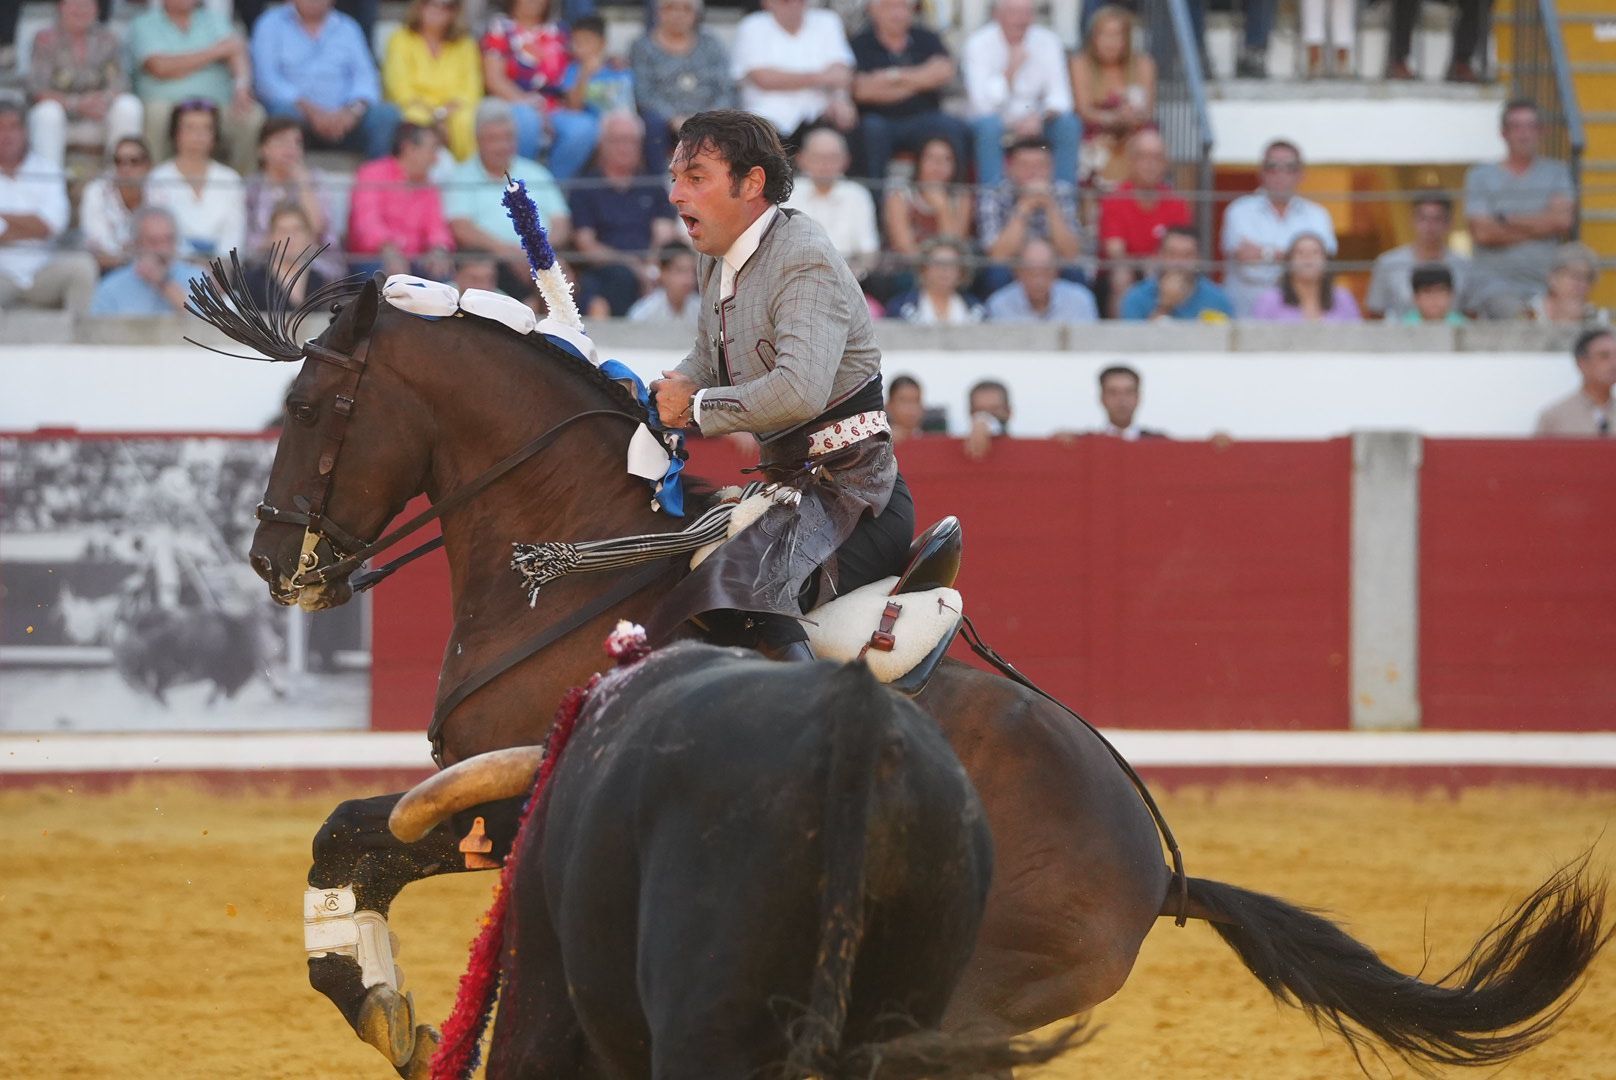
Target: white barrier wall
{"points": [[1252, 395]]}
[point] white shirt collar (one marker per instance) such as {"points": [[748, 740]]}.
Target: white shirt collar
{"points": [[744, 247]]}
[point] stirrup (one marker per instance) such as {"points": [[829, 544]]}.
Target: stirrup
{"points": [[934, 558]]}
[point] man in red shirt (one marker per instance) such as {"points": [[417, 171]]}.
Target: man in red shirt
{"points": [[1135, 217]]}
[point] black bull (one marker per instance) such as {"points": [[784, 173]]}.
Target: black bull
{"points": [[740, 866]]}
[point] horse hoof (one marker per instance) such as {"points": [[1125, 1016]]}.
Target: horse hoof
{"points": [[387, 1022], [419, 1067]]}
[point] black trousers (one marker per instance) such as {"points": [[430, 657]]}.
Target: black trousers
{"points": [[878, 548], [1466, 30]]}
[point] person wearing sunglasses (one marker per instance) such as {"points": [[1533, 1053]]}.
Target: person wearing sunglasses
{"points": [[1258, 228], [110, 201]]}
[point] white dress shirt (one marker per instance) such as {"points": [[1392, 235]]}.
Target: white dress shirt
{"points": [[1042, 85], [846, 212], [39, 189], [761, 42], [744, 247], [1253, 217]]}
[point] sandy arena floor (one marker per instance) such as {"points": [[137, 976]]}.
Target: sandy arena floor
{"points": [[156, 933]]}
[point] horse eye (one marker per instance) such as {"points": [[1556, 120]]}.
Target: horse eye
{"points": [[302, 412]]}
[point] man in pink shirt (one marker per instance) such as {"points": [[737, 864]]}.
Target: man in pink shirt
{"points": [[396, 218]]}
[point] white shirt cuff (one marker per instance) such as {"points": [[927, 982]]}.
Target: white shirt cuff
{"points": [[695, 409]]}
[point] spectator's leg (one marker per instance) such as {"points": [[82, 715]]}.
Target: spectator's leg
{"points": [[874, 146], [1405, 13], [1466, 40], [124, 117], [241, 129], [156, 125], [1259, 24], [987, 132], [1065, 133], [67, 281], [575, 135], [614, 282], [529, 130], [363, 12], [374, 132], [47, 131], [1342, 15]]}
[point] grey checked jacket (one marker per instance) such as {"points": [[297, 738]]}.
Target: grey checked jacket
{"points": [[798, 334]]}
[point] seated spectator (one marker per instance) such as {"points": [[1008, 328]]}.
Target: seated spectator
{"points": [[1433, 292], [314, 65], [397, 214], [901, 71], [78, 85], [477, 272], [938, 301], [107, 207], [525, 61], [1119, 397], [1467, 40], [795, 69], [156, 282], [1307, 290], [1520, 211], [1114, 89], [1134, 219], [204, 196], [679, 70], [905, 409], [180, 52], [1178, 289], [1258, 228], [1039, 294], [675, 299], [1572, 278], [34, 211], [473, 190], [1019, 89], [289, 227], [987, 407], [842, 207], [1591, 409], [937, 202], [1028, 203], [1390, 294], [599, 83], [433, 72], [286, 176], [620, 216]]}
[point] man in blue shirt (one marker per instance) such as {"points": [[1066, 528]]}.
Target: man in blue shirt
{"points": [[620, 216], [1039, 294], [1177, 289], [314, 65], [155, 282]]}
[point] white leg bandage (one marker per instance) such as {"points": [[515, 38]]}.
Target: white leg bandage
{"points": [[332, 924]]}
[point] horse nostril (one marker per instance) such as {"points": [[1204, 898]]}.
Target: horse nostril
{"points": [[264, 567]]}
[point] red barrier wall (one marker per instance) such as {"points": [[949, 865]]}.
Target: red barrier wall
{"points": [[1518, 585], [1159, 584]]}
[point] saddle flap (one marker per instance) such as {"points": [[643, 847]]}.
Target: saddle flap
{"points": [[891, 633]]}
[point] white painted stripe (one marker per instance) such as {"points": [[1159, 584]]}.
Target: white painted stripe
{"points": [[48, 753]]}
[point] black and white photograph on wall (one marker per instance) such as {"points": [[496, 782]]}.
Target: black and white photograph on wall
{"points": [[127, 604]]}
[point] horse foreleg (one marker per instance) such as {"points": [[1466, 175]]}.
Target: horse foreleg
{"points": [[359, 867]]}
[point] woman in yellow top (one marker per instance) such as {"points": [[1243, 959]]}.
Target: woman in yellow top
{"points": [[434, 72]]}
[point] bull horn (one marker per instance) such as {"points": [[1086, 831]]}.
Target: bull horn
{"points": [[489, 777]]}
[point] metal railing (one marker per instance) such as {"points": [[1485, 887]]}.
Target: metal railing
{"points": [[1541, 71], [1181, 109]]}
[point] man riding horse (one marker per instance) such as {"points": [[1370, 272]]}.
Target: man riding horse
{"points": [[785, 350]]}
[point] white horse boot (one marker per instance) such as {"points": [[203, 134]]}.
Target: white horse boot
{"points": [[332, 924]]}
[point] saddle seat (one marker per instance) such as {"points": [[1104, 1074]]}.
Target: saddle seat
{"points": [[900, 626]]}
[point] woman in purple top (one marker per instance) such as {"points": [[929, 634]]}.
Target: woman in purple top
{"points": [[1307, 291]]}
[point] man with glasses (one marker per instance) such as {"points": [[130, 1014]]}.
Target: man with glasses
{"points": [[1520, 211], [1391, 285], [1258, 228], [181, 52]]}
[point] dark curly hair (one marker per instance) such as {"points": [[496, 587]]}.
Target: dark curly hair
{"points": [[744, 141]]}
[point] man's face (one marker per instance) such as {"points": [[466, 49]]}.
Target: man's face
{"points": [[1037, 272], [13, 140], [622, 147], [1013, 17], [588, 46], [1281, 172], [1147, 159], [1030, 167], [1434, 302], [1432, 224], [904, 407], [1523, 133], [175, 9], [679, 278], [823, 158], [993, 402], [293, 230], [788, 13], [943, 271], [1119, 397], [418, 155], [76, 16], [1180, 252], [1599, 365], [712, 204], [157, 236], [1572, 281], [677, 16], [892, 17], [496, 146], [311, 10]]}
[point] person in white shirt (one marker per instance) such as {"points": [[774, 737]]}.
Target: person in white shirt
{"points": [[675, 298], [843, 207], [33, 212], [1019, 87], [107, 207], [205, 197], [938, 300], [1258, 228], [795, 68]]}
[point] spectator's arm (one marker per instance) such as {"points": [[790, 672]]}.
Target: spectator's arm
{"points": [[1553, 222], [21, 227], [1012, 235], [834, 77], [900, 230], [179, 65], [1063, 234], [986, 88], [366, 86], [498, 83]]}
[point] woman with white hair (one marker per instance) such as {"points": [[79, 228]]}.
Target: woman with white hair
{"points": [[1571, 279]]}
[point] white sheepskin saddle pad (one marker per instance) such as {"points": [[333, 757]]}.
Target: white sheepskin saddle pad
{"points": [[840, 629]]}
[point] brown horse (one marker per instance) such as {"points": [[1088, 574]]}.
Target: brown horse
{"points": [[429, 406]]}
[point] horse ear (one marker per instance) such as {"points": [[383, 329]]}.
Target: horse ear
{"points": [[365, 306]]}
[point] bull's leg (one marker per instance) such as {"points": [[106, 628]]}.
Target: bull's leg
{"points": [[359, 867]]}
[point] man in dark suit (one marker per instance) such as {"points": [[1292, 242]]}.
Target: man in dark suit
{"points": [[1119, 397], [785, 350]]}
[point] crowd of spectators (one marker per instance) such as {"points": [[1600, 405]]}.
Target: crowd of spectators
{"points": [[1041, 194]]}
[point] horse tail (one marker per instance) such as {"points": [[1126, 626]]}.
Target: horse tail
{"points": [[1501, 1000], [861, 724]]}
